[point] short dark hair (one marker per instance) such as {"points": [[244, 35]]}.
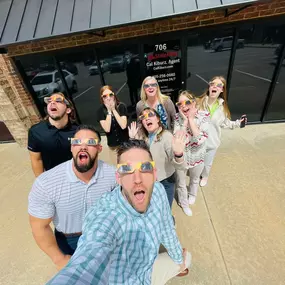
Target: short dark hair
{"points": [[89, 128], [125, 146]]}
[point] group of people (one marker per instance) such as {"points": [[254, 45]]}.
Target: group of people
{"points": [[183, 143], [111, 220]]}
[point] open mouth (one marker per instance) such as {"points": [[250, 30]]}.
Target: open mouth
{"points": [[149, 124], [150, 91], [214, 91], [83, 157], [53, 109], [185, 111], [139, 195]]}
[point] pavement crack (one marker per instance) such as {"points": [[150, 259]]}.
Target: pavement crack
{"points": [[216, 235]]}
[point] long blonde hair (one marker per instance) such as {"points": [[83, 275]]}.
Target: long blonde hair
{"points": [[161, 97], [187, 94], [202, 100]]}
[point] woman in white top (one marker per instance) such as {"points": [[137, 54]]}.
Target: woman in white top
{"points": [[152, 97], [214, 100], [167, 151], [195, 124]]}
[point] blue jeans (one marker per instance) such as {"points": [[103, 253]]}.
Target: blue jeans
{"points": [[169, 185], [66, 244]]}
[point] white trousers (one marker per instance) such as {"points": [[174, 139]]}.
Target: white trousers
{"points": [[208, 162], [194, 176], [165, 268]]}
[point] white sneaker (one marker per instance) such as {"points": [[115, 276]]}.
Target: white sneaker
{"points": [[191, 200], [203, 182], [187, 211]]}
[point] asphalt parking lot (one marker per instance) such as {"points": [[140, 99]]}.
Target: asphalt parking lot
{"points": [[252, 74]]}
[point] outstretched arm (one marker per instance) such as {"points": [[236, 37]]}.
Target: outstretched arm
{"points": [[91, 261]]}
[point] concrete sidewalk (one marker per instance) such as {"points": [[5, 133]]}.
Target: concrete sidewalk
{"points": [[236, 234]]}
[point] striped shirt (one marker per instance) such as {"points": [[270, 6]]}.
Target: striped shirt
{"points": [[195, 148], [119, 245], [60, 195]]}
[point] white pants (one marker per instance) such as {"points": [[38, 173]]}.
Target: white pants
{"points": [[194, 175], [165, 268], [208, 162]]}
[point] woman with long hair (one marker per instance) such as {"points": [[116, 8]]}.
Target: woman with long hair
{"points": [[167, 151], [112, 116], [214, 100], [152, 97], [195, 124]]}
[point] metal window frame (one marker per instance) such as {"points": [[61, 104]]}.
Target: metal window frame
{"points": [[183, 36], [272, 86]]}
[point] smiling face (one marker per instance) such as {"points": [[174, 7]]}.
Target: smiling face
{"points": [[150, 87], [137, 187], [150, 121], [108, 96], [84, 156], [216, 87], [184, 108], [57, 110]]}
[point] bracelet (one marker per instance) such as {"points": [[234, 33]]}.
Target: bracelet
{"points": [[178, 155], [109, 113]]}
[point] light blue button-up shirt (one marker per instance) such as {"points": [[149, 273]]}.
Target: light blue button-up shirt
{"points": [[119, 245]]}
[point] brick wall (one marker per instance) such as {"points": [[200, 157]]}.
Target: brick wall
{"points": [[17, 109], [261, 10]]}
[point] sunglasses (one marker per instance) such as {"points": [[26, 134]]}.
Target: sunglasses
{"points": [[56, 98], [146, 115], [89, 142], [219, 85], [111, 95], [145, 86], [183, 103], [143, 167]]}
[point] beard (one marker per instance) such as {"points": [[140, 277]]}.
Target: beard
{"points": [[82, 168], [58, 117]]}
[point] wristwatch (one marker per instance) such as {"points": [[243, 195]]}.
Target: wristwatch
{"points": [[109, 113]]}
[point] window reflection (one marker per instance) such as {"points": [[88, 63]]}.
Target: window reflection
{"points": [[85, 93], [121, 67], [208, 56], [276, 109], [253, 69], [44, 76]]}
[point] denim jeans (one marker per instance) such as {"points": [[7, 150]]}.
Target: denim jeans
{"points": [[169, 185], [66, 244]]}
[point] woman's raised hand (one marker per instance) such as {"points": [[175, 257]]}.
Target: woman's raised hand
{"points": [[133, 130], [178, 143]]}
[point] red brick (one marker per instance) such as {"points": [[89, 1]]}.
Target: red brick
{"points": [[280, 10], [251, 15], [263, 7], [266, 13], [280, 4], [207, 22]]}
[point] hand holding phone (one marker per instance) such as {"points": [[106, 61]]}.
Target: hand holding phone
{"points": [[243, 121]]}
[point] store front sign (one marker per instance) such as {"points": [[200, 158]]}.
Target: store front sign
{"points": [[163, 61]]}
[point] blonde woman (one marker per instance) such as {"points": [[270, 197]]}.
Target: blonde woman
{"points": [[152, 97], [214, 100], [195, 124]]}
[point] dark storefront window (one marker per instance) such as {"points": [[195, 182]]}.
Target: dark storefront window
{"points": [[85, 92], [163, 61], [253, 69], [43, 76], [121, 69], [208, 56], [276, 109]]}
